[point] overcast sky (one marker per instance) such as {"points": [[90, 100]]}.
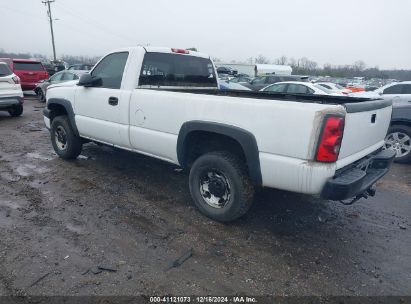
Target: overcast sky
{"points": [[337, 32]]}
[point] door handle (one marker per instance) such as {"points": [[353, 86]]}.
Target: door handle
{"points": [[113, 101]]}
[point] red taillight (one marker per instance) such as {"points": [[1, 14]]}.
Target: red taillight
{"points": [[330, 139], [16, 79], [180, 51]]}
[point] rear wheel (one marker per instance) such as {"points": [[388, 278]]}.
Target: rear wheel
{"points": [[66, 144], [398, 139], [16, 111], [40, 95], [220, 186]]}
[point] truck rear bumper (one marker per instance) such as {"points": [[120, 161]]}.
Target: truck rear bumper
{"points": [[359, 177]]}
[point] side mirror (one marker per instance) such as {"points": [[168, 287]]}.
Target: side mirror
{"points": [[87, 80], [380, 93]]}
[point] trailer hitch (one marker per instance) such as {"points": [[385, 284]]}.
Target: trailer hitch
{"points": [[367, 193]]}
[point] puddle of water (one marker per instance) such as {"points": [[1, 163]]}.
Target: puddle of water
{"points": [[9, 204], [9, 177], [75, 228], [28, 169], [38, 156], [22, 171]]}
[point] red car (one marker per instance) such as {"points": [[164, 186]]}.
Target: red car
{"points": [[30, 72]]}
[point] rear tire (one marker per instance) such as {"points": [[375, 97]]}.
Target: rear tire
{"points": [[40, 95], [220, 186], [65, 142], [16, 111], [398, 139]]}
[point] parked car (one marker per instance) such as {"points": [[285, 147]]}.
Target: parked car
{"points": [[261, 82], [397, 92], [241, 78], [399, 134], [66, 75], [334, 87], [53, 68], [226, 70], [80, 67], [297, 87], [355, 88], [230, 85], [231, 142], [30, 72], [11, 95]]}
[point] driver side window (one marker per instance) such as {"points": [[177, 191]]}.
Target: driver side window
{"points": [[111, 69], [277, 88]]}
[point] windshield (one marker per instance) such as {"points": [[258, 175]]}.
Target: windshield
{"points": [[320, 87]]}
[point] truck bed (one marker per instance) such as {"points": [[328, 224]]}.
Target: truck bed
{"points": [[321, 99]]}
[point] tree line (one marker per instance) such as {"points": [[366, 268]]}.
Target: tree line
{"points": [[66, 58], [300, 66], [305, 66]]}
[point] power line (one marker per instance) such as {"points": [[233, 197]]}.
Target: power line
{"points": [[95, 24], [26, 14], [47, 3]]}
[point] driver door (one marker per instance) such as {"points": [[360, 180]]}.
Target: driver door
{"points": [[102, 111]]}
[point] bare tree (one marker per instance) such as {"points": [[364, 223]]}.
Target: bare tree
{"points": [[261, 59], [283, 60], [359, 65]]}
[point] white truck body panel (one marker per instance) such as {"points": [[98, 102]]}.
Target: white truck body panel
{"points": [[148, 121]]}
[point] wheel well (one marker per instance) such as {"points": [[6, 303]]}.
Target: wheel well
{"points": [[401, 123], [199, 142], [56, 110]]}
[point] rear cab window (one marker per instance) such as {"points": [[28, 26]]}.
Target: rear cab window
{"points": [[395, 89], [176, 70], [28, 66]]}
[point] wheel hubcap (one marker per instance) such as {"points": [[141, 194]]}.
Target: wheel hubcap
{"points": [[398, 142], [60, 136], [215, 189]]}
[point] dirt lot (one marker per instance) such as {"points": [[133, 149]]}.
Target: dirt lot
{"points": [[132, 217]]}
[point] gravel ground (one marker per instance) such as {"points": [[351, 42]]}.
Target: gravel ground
{"points": [[112, 223]]}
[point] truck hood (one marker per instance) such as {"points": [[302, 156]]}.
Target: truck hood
{"points": [[70, 83]]}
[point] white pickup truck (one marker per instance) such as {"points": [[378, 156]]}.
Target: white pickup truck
{"points": [[165, 103]]}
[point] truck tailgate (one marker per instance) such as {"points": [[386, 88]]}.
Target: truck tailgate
{"points": [[366, 125]]}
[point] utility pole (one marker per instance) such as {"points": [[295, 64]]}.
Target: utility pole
{"points": [[47, 2]]}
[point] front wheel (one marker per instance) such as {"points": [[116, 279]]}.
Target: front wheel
{"points": [[66, 144], [220, 186], [16, 111], [398, 139]]}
